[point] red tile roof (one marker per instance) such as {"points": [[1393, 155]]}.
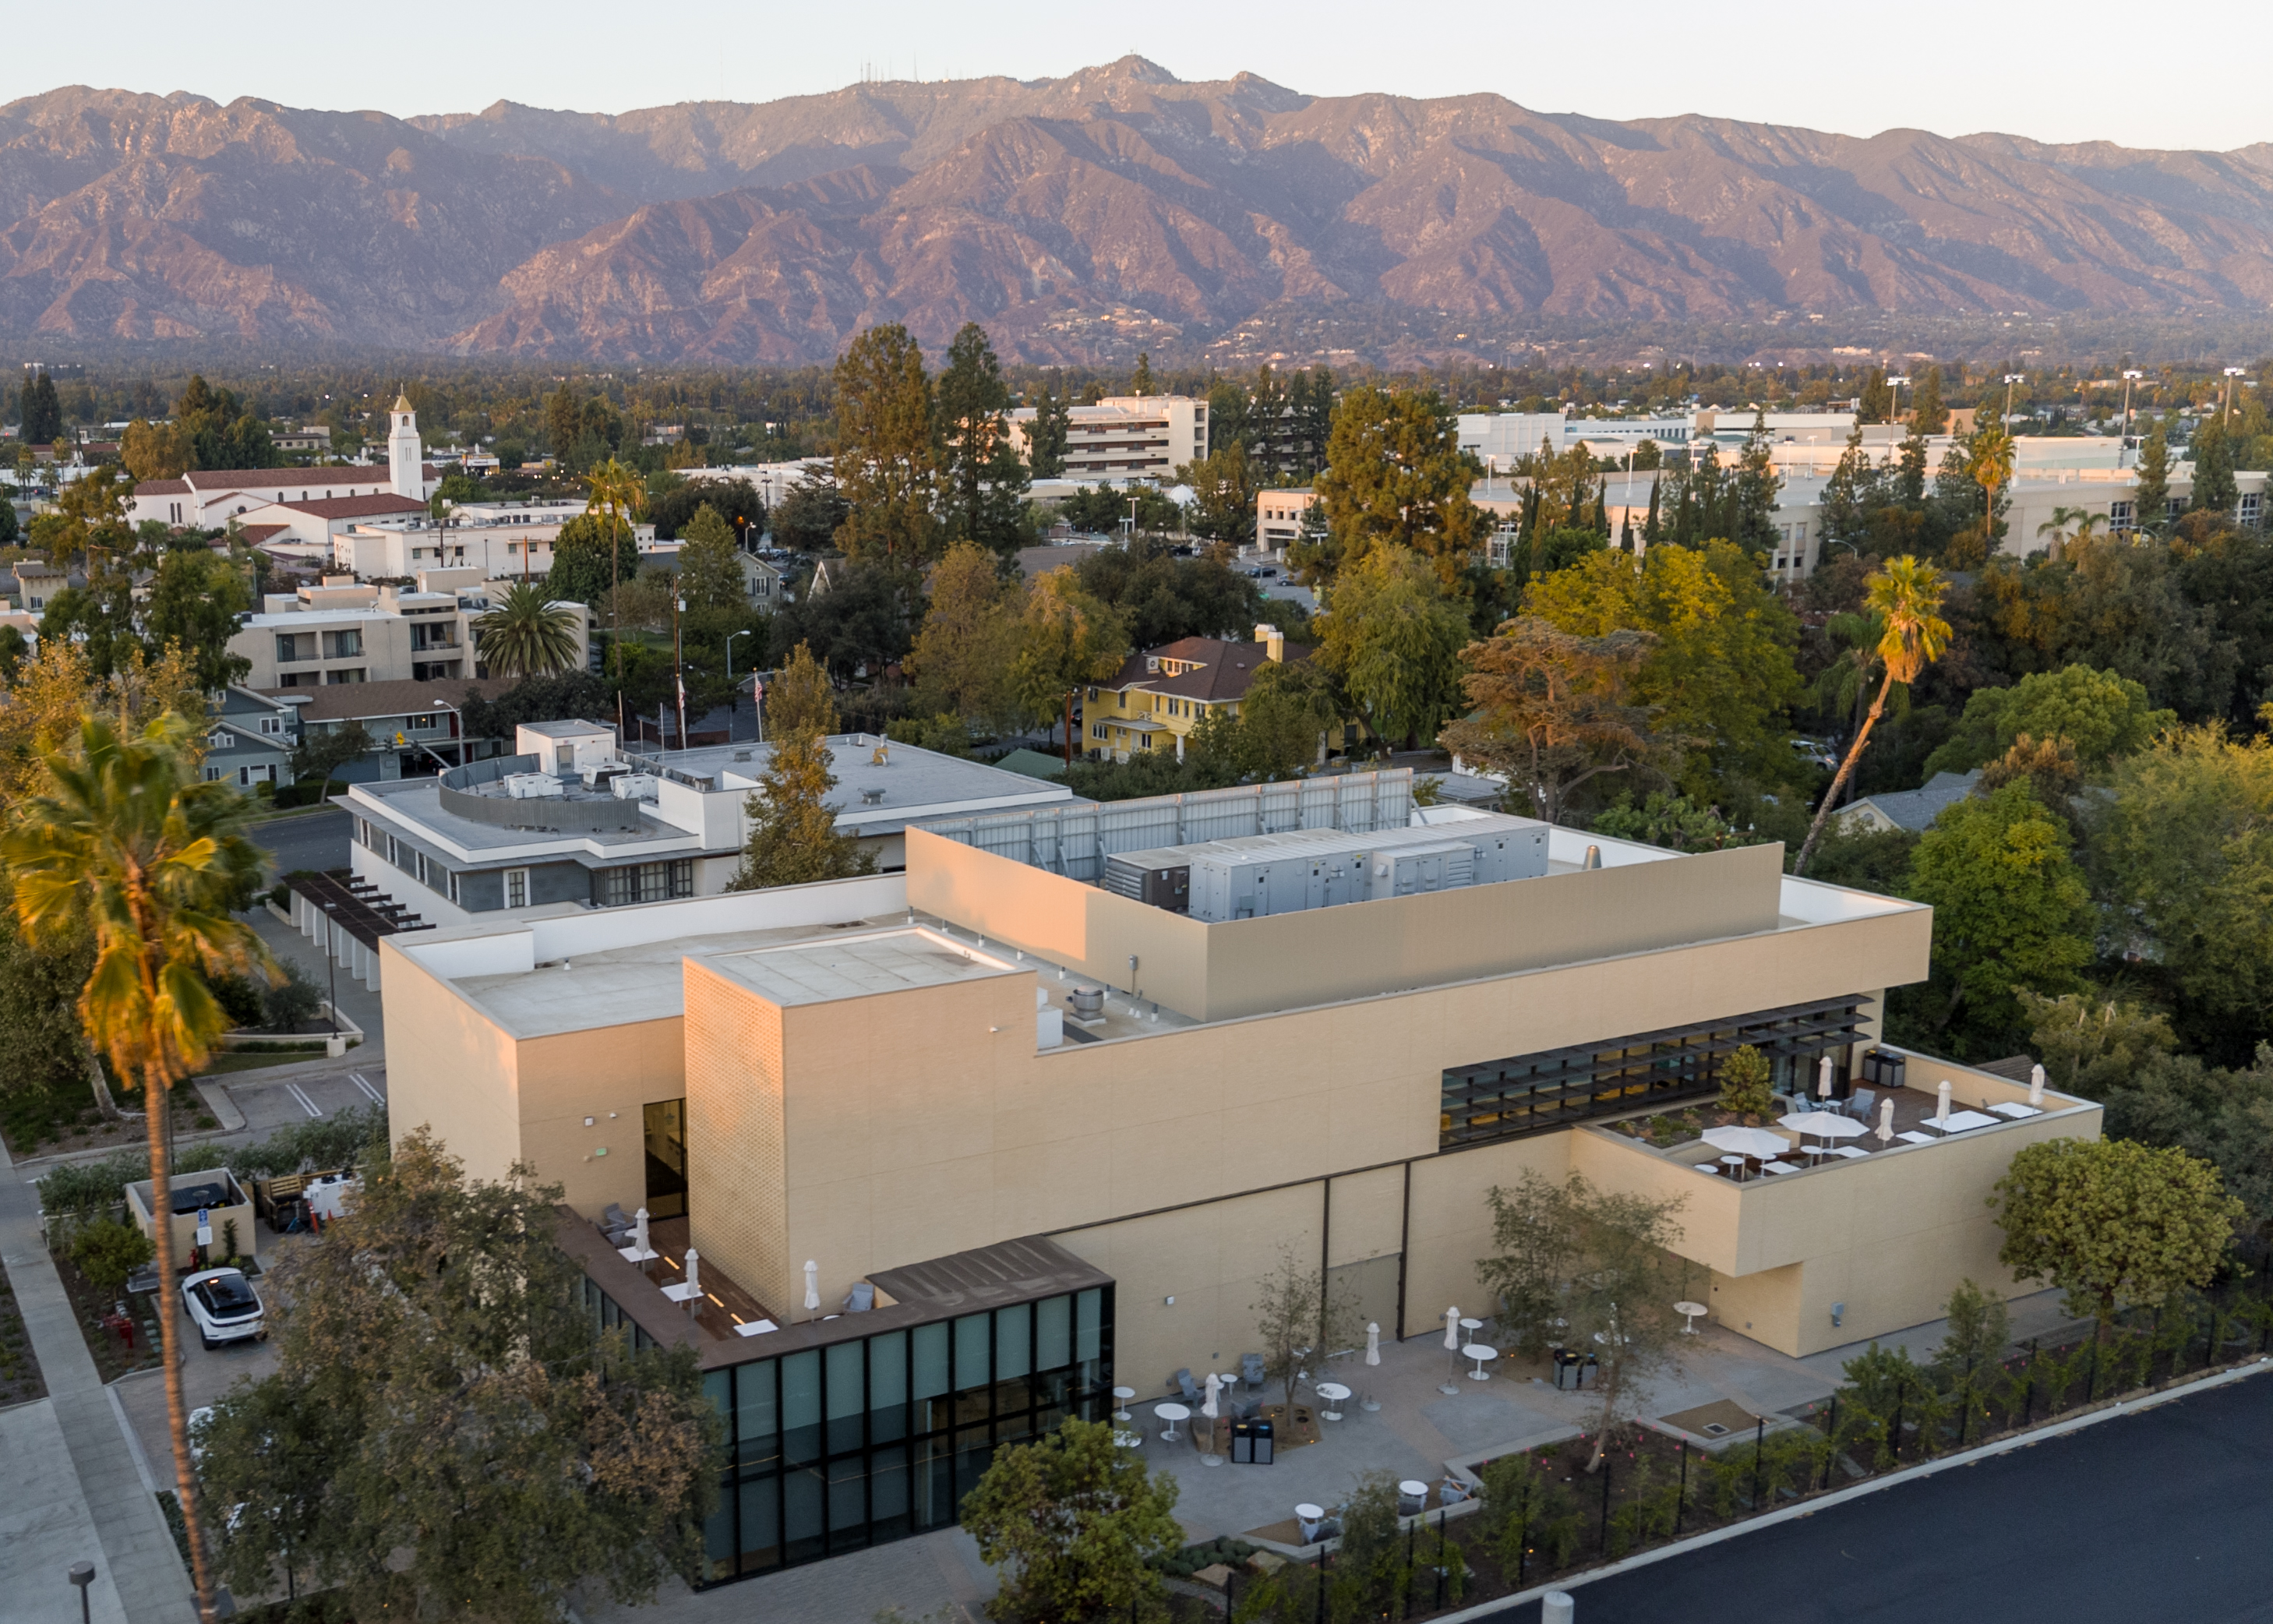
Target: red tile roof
{"points": [[355, 506]]}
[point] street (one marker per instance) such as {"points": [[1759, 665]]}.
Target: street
{"points": [[315, 840], [2160, 1515]]}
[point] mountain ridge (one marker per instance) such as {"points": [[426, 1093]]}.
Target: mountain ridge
{"points": [[1071, 215]]}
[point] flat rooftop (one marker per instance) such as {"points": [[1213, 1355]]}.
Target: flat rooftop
{"points": [[842, 965], [880, 785], [418, 803]]}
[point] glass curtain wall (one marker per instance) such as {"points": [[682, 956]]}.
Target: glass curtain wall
{"points": [[1534, 1094], [874, 1439]]}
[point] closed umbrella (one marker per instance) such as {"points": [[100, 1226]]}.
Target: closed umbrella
{"points": [[1214, 1387], [1886, 1121], [1452, 1331], [694, 1278], [1941, 1107], [812, 1286], [1746, 1141], [1373, 1344], [2036, 1084], [1823, 1084], [638, 1232]]}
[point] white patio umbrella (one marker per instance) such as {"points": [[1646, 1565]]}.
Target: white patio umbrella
{"points": [[812, 1286], [1373, 1344], [1746, 1141], [639, 1231], [1941, 1109], [1823, 1080], [1824, 1124], [694, 1265], [2036, 1084], [1453, 1329], [1886, 1121], [1214, 1387]]}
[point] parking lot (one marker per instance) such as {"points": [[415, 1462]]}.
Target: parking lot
{"points": [[269, 1101]]}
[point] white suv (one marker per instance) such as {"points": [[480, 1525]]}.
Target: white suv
{"points": [[224, 1305]]}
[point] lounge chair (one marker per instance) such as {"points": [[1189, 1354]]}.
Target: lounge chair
{"points": [[861, 1298], [1180, 1383], [1251, 1369], [1862, 1104]]}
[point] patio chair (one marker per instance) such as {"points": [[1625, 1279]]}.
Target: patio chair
{"points": [[615, 1223], [1180, 1383], [1251, 1369], [861, 1298], [1862, 1104]]}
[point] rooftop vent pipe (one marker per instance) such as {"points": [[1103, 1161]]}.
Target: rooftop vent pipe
{"points": [[1594, 858]]}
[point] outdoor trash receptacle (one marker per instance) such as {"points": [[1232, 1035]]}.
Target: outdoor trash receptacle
{"points": [[1242, 1443], [1587, 1372], [1264, 1447], [1569, 1367]]}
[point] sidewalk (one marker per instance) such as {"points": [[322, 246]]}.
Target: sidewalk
{"points": [[74, 1476], [357, 1003]]}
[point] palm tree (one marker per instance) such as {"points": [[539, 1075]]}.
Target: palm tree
{"points": [[618, 493], [1842, 688], [133, 849], [2068, 525], [523, 635], [1904, 597]]}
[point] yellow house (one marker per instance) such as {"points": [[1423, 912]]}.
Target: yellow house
{"points": [[1157, 696]]}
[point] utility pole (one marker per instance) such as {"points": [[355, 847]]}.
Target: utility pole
{"points": [[2123, 441], [677, 675], [2225, 419]]}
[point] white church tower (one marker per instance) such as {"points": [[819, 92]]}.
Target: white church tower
{"points": [[405, 459]]}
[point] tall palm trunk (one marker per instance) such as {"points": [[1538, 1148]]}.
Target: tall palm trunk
{"points": [[154, 1088], [1846, 772]]}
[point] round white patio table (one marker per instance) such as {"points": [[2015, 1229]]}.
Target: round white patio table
{"points": [[1171, 1413], [1124, 1394], [1690, 1312], [1333, 1393], [1479, 1354], [1309, 1516]]}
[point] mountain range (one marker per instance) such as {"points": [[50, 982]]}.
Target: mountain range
{"points": [[1074, 217]]}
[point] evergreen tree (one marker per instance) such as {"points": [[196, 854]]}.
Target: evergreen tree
{"points": [[581, 567], [2214, 489], [44, 414], [1909, 480], [886, 466], [563, 419], [709, 563], [1395, 476], [1141, 381], [1876, 403], [982, 481], [793, 837], [2153, 498], [1928, 415], [1046, 439], [1314, 418], [1754, 492]]}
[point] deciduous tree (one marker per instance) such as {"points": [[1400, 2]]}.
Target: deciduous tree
{"points": [[1553, 710], [1075, 1525], [709, 563], [961, 661], [1067, 638], [445, 1436], [1392, 636], [2112, 1223]]}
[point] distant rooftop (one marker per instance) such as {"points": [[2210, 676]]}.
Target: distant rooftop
{"points": [[841, 965]]}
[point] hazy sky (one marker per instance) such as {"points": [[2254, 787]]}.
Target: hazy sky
{"points": [[2088, 71]]}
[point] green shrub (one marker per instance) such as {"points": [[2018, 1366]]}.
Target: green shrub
{"points": [[239, 999], [108, 1251], [291, 1001]]}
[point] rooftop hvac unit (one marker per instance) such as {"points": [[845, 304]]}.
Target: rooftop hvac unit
{"points": [[597, 775], [533, 786], [635, 786], [1168, 887]]}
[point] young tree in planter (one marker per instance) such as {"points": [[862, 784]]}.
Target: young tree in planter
{"points": [[1300, 1319], [1744, 1085], [1073, 1523], [444, 1437], [131, 848], [2114, 1223], [1620, 1300]]}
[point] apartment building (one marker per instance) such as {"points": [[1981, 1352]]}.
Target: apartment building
{"points": [[510, 539], [1279, 516], [1126, 439], [1053, 1101], [416, 729], [343, 630]]}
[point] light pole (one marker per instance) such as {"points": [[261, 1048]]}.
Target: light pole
{"points": [[332, 960], [82, 1575], [678, 675], [2123, 441], [2225, 419], [2006, 422], [733, 702]]}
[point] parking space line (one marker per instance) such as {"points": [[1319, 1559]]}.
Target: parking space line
{"points": [[364, 1083], [306, 1104]]}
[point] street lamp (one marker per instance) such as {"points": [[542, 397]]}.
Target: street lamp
{"points": [[331, 959], [733, 700], [2231, 372], [2123, 441], [2010, 379], [82, 1575]]}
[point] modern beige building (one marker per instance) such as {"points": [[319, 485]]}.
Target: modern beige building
{"points": [[343, 630], [1126, 439], [1066, 1090]]}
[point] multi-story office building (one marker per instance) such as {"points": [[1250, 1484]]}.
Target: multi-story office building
{"points": [[1038, 1115], [1127, 440], [1279, 516]]}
